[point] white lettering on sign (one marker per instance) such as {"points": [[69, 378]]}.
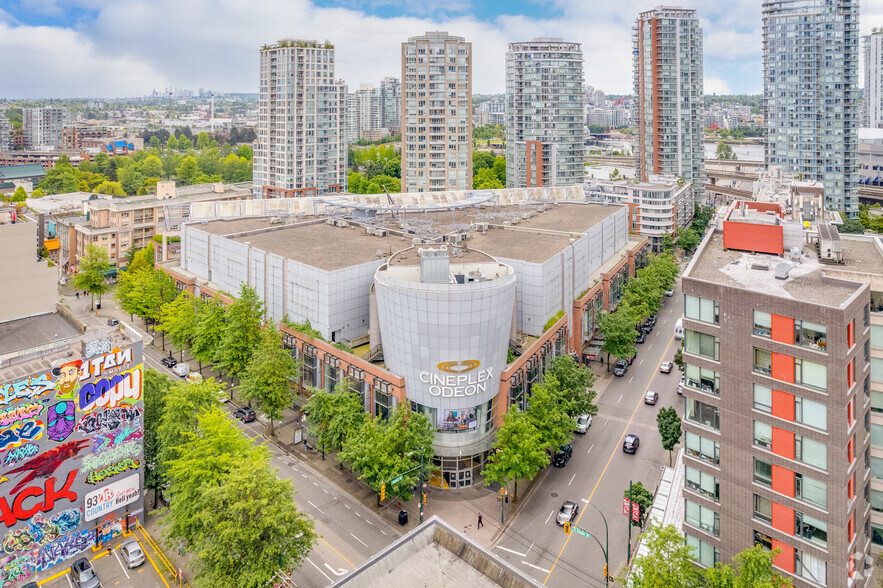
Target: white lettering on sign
{"points": [[112, 497], [457, 386]]}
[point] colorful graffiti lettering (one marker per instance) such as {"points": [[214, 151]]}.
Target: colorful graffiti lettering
{"points": [[112, 455], [101, 474], [106, 364], [45, 464], [15, 569], [26, 388], [22, 413], [111, 392], [109, 419], [17, 454], [65, 548], [11, 514], [108, 440], [41, 532], [18, 434], [61, 420]]}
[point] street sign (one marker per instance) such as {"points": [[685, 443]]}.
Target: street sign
{"points": [[580, 531], [395, 480]]}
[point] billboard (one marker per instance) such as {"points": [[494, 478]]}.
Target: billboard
{"points": [[70, 436]]}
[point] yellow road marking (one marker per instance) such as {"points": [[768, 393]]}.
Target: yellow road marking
{"points": [[610, 459], [337, 552]]}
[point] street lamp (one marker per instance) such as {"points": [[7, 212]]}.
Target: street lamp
{"points": [[606, 542]]}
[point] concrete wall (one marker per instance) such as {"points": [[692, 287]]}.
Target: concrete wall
{"points": [[28, 287]]}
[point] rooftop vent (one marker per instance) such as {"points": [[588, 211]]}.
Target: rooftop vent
{"points": [[760, 264], [783, 269]]}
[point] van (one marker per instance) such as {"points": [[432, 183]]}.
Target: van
{"points": [[679, 329], [182, 370]]}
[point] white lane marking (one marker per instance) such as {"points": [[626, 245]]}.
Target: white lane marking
{"points": [[630, 379], [294, 468], [359, 540], [590, 449], [642, 361], [382, 531], [536, 567], [549, 517], [304, 475], [320, 570], [117, 553], [369, 522], [347, 506], [357, 513], [316, 507], [571, 480], [649, 346], [337, 572], [663, 320], [586, 500], [315, 484], [512, 551], [620, 399], [324, 490]]}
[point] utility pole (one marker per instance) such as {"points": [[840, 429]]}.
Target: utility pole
{"points": [[628, 559], [421, 487], [606, 542]]}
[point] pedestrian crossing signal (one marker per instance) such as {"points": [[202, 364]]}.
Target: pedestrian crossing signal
{"points": [[382, 492], [567, 527], [605, 570]]}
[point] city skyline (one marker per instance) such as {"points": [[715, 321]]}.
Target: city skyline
{"points": [[128, 48]]}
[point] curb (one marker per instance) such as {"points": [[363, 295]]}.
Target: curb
{"points": [[536, 482]]}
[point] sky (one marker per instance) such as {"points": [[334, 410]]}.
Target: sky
{"points": [[122, 48]]}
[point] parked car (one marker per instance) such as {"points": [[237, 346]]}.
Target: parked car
{"points": [[169, 361], [646, 327], [669, 293], [31, 585], [196, 378], [651, 397], [630, 444], [245, 414], [583, 422], [641, 338], [621, 367], [83, 574], [681, 385], [563, 456], [133, 555], [665, 367], [182, 370], [568, 512], [652, 319], [112, 322]]}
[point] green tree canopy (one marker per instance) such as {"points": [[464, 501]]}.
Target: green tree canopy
{"points": [[644, 499], [19, 195], [92, 269], [178, 319], [188, 171], [519, 452], [688, 240], [173, 142], [184, 143], [202, 140], [575, 383], [548, 411], [724, 151], [334, 417], [156, 386], [111, 188], [269, 374], [667, 562], [210, 318], [619, 332], [241, 331], [669, 424]]}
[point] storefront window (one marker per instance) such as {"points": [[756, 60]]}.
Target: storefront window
{"points": [[332, 373], [516, 391], [310, 365], [383, 400]]}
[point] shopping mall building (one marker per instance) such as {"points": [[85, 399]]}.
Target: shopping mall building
{"points": [[428, 293]]}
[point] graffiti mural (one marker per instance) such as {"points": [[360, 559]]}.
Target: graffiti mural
{"points": [[12, 514], [22, 413], [65, 548], [109, 531], [67, 379], [20, 453], [25, 389], [113, 455], [61, 418], [14, 569], [18, 434], [110, 419], [41, 531], [102, 474], [107, 364], [108, 440], [45, 464], [111, 392]]}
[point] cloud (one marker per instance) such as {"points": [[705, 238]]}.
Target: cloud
{"points": [[717, 86]]}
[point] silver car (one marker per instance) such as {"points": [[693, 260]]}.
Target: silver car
{"points": [[132, 553], [568, 512], [583, 422]]}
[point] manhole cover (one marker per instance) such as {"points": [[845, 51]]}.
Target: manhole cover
{"points": [[554, 495]]}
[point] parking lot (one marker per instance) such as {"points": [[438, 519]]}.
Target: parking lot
{"points": [[111, 569]]}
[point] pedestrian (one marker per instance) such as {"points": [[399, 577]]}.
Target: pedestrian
{"points": [[78, 293], [480, 524], [307, 449]]}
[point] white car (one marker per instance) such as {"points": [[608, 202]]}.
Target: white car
{"points": [[669, 293], [583, 422], [681, 385], [182, 370]]}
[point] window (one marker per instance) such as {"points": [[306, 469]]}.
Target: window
{"points": [[702, 448], [763, 434], [876, 500], [810, 567], [763, 540], [383, 402], [876, 534], [702, 483], [811, 413], [876, 435], [763, 508], [877, 369], [704, 553], [811, 452], [763, 324], [876, 401], [763, 473], [810, 374], [702, 379], [763, 398], [807, 334], [701, 309], [702, 518], [702, 344], [811, 491], [877, 336], [703, 414], [763, 361]]}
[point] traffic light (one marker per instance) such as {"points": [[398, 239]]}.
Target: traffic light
{"points": [[424, 497], [567, 527], [605, 571], [382, 492]]}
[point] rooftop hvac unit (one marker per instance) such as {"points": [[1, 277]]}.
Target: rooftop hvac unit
{"points": [[482, 227], [456, 237], [276, 220], [507, 224], [527, 215], [330, 221], [380, 232], [416, 241], [369, 230], [342, 223], [515, 220]]}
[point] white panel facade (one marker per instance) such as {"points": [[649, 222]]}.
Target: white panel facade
{"points": [[229, 264], [274, 286], [194, 251], [257, 275]]}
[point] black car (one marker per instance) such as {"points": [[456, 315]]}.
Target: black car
{"points": [[646, 326], [563, 456], [642, 337], [169, 362], [630, 445], [621, 367], [652, 320], [245, 414]]}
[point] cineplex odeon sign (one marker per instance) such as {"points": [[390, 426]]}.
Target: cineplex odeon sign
{"points": [[71, 459], [461, 380]]}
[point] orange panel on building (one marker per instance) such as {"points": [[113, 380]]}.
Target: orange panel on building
{"points": [[751, 237], [783, 443], [783, 329], [783, 481], [783, 405], [783, 518], [783, 367], [850, 334], [785, 559]]}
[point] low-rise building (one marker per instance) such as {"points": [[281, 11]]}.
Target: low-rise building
{"points": [[72, 137], [26, 175]]}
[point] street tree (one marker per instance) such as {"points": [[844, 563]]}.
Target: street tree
{"points": [[178, 320], [92, 269], [644, 500], [20, 196], [334, 417], [368, 453], [669, 424], [202, 140], [184, 143], [158, 289], [268, 375], [241, 331], [619, 333], [210, 317], [724, 151], [668, 243], [547, 411], [751, 568], [519, 452], [576, 382], [156, 386], [668, 561], [688, 240], [679, 357], [663, 268]]}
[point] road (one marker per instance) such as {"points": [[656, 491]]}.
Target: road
{"points": [[599, 472]]}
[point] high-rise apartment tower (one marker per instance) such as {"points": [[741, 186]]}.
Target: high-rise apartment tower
{"points": [[436, 113], [872, 47], [545, 117], [43, 127]]}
